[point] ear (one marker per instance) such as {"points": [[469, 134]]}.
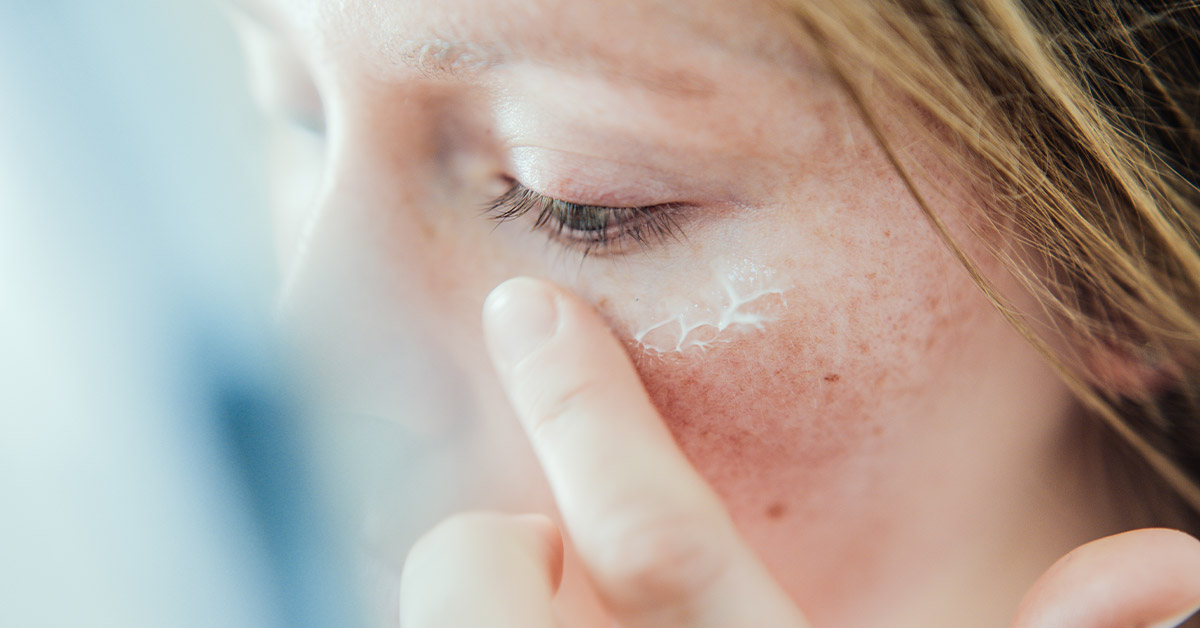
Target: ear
{"points": [[1134, 373]]}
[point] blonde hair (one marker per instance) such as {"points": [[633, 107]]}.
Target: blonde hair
{"points": [[1082, 116]]}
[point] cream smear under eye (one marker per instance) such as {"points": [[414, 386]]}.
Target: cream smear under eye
{"points": [[738, 298]]}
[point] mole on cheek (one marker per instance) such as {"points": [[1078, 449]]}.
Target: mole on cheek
{"points": [[768, 414], [752, 365], [766, 433]]}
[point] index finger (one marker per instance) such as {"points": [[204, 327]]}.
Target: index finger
{"points": [[653, 535]]}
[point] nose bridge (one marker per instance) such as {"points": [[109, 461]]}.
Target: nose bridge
{"points": [[346, 230], [398, 159], [362, 295], [389, 176]]}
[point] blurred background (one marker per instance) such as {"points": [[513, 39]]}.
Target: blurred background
{"points": [[154, 470]]}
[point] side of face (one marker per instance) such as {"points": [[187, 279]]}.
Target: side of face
{"points": [[815, 349]]}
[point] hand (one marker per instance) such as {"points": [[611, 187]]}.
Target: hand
{"points": [[1146, 578], [655, 539]]}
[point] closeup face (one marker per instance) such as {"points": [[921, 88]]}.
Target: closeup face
{"points": [[693, 171]]}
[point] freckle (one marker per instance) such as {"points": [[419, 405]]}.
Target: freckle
{"points": [[833, 377], [887, 234], [603, 303], [775, 510]]}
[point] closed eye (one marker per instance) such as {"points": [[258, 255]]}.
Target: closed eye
{"points": [[593, 229]]}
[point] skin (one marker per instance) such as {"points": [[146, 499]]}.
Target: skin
{"points": [[882, 450]]}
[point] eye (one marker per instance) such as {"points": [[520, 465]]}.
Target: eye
{"points": [[592, 229]]}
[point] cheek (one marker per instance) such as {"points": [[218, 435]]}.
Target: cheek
{"points": [[787, 374], [772, 399]]}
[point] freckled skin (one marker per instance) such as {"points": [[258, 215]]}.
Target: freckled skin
{"points": [[864, 441], [760, 418]]}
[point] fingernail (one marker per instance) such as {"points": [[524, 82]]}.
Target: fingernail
{"points": [[1177, 620], [518, 317]]}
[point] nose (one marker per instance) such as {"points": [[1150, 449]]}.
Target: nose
{"points": [[384, 303], [376, 295]]}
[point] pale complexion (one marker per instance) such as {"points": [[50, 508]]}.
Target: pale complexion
{"points": [[866, 440]]}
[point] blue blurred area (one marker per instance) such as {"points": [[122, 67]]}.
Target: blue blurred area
{"points": [[153, 468]]}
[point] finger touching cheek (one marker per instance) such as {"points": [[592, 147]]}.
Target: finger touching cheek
{"points": [[654, 537], [766, 370]]}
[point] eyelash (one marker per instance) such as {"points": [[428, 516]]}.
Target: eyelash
{"points": [[592, 229]]}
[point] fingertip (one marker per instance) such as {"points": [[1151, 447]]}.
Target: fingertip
{"points": [[519, 316], [1148, 577]]}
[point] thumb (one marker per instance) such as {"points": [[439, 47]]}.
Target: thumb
{"points": [[1145, 578]]}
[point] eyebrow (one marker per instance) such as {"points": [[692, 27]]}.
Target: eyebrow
{"points": [[442, 59], [455, 60], [448, 59]]}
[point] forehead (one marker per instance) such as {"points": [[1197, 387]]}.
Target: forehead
{"points": [[662, 42]]}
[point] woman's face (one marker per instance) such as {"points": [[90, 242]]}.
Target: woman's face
{"points": [[818, 353]]}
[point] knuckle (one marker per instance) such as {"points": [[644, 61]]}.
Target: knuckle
{"points": [[664, 560]]}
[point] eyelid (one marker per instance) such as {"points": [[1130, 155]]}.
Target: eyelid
{"points": [[620, 226], [603, 181], [516, 187]]}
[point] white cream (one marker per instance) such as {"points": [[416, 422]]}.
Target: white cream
{"points": [[738, 298]]}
